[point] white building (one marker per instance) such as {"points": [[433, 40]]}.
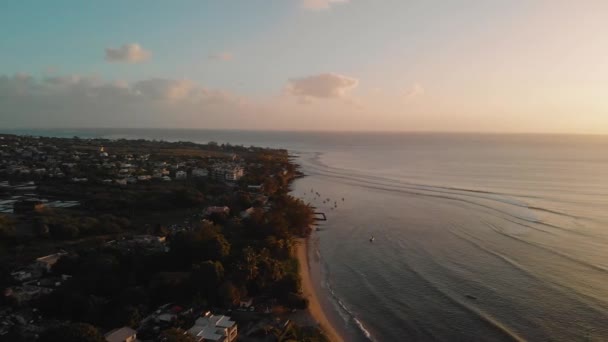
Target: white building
{"points": [[228, 173], [234, 174], [181, 175], [200, 172], [214, 328], [21, 275], [124, 334]]}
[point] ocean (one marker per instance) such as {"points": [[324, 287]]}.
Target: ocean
{"points": [[477, 237]]}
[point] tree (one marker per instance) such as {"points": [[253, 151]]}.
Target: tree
{"points": [[203, 243], [218, 247], [229, 294], [206, 278], [161, 230], [72, 332], [64, 230], [187, 197], [211, 272], [248, 266], [290, 283], [176, 335], [297, 301], [129, 316], [7, 227], [40, 228], [67, 264], [6, 280]]}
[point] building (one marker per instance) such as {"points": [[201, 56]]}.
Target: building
{"points": [[124, 334], [228, 173], [27, 206], [181, 175], [234, 174], [26, 293], [246, 303], [255, 187], [21, 275], [200, 172], [146, 239], [46, 262], [214, 328], [217, 210], [247, 212]]}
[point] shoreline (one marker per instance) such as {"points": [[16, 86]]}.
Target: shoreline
{"points": [[314, 310]]}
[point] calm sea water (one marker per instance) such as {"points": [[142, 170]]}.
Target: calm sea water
{"points": [[477, 237]]}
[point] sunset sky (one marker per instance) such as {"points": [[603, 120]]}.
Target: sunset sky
{"points": [[392, 65]]}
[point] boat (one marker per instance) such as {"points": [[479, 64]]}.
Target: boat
{"points": [[470, 296], [372, 238]]}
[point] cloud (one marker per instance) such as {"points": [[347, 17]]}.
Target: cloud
{"points": [[317, 5], [222, 56], [323, 86], [163, 89], [129, 53], [414, 91], [73, 101], [82, 101]]}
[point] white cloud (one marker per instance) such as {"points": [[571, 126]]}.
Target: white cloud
{"points": [[79, 101], [71, 101], [325, 86], [317, 5], [222, 56], [129, 53], [414, 91], [163, 89]]}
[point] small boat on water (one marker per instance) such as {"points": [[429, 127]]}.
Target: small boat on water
{"points": [[470, 296], [372, 238]]}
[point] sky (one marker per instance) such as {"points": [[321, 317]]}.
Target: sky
{"points": [[345, 65]]}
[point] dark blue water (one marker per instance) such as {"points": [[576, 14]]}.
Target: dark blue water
{"points": [[477, 237]]}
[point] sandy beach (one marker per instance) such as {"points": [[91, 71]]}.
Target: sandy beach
{"points": [[315, 311]]}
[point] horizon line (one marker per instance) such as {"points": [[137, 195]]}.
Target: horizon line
{"points": [[308, 131]]}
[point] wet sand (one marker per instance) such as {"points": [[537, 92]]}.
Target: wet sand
{"points": [[315, 311]]}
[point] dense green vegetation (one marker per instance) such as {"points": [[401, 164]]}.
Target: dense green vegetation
{"points": [[211, 265], [58, 225], [208, 264], [7, 227], [72, 332]]}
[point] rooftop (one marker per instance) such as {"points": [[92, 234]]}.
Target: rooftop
{"points": [[120, 334], [206, 332]]}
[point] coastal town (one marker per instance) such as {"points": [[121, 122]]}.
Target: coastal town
{"points": [[136, 240]]}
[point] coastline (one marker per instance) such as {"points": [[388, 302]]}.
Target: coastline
{"points": [[315, 311]]}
